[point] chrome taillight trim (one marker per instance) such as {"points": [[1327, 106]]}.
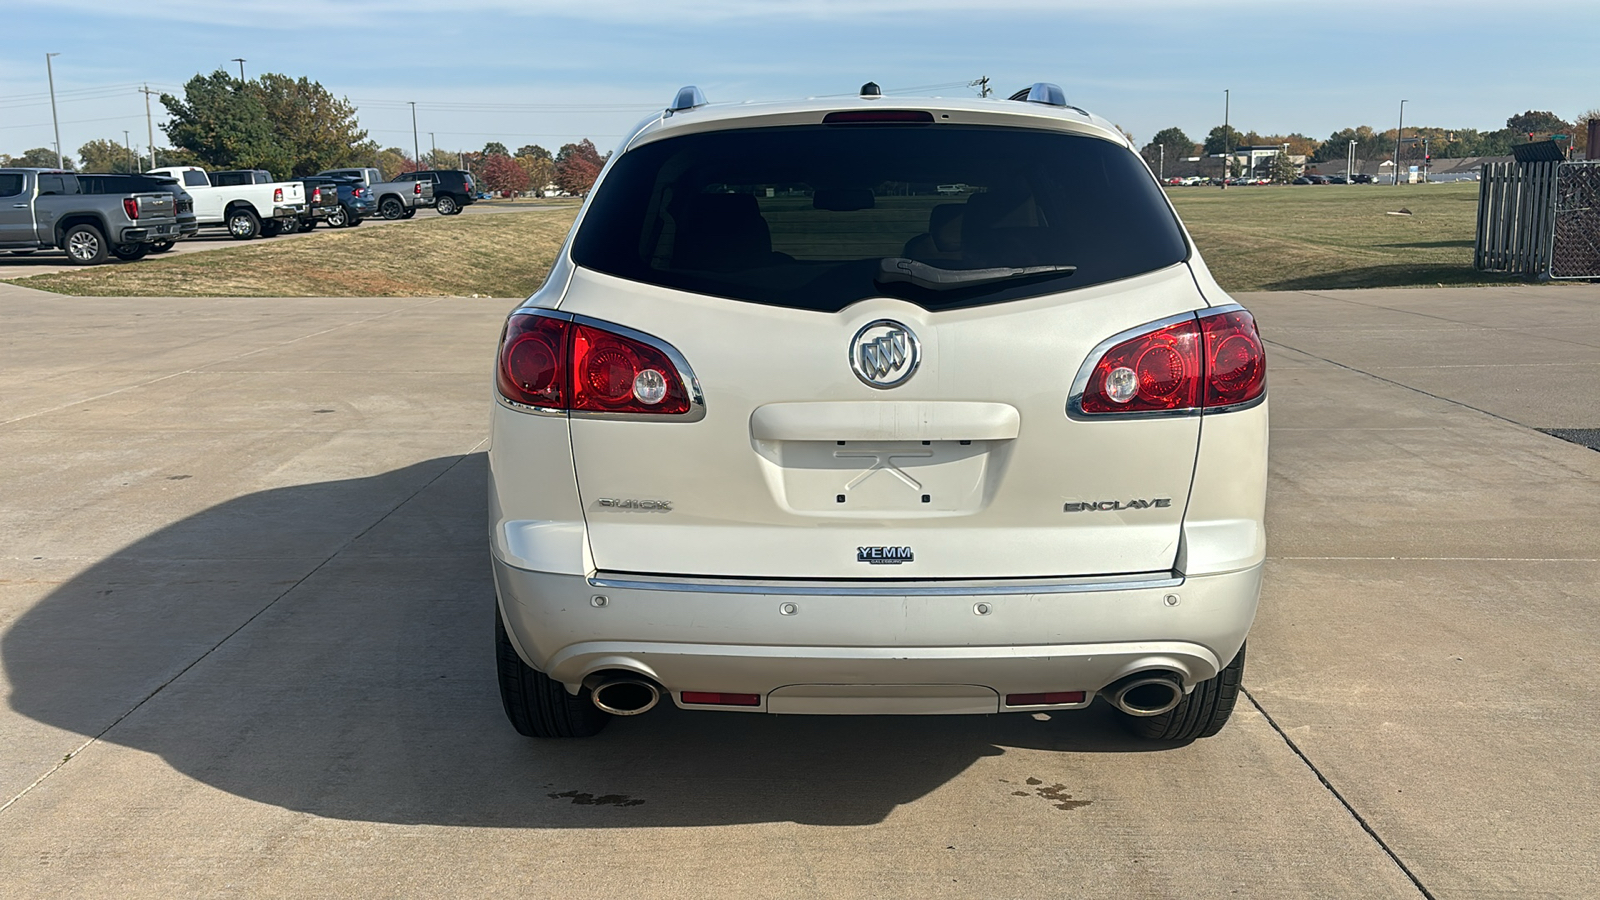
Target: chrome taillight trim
{"points": [[1080, 382], [691, 384]]}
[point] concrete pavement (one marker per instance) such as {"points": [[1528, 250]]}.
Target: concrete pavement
{"points": [[245, 613]]}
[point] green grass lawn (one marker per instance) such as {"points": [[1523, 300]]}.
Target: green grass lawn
{"points": [[1298, 237], [1302, 237]]}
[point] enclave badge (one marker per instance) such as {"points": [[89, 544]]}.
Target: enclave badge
{"points": [[1115, 505], [885, 556]]}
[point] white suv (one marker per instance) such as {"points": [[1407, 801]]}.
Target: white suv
{"points": [[792, 428]]}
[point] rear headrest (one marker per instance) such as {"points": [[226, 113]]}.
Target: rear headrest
{"points": [[721, 231], [944, 224]]}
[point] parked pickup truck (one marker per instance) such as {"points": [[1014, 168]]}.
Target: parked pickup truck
{"points": [[183, 204], [240, 176], [41, 209], [396, 199], [246, 210]]}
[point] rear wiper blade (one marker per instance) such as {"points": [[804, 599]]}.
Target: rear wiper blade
{"points": [[898, 268]]}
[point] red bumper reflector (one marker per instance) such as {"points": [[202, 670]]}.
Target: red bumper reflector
{"points": [[1044, 699], [708, 698]]}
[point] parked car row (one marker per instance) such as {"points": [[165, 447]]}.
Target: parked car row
{"points": [[94, 216]]}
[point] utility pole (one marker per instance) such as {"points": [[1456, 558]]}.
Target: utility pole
{"points": [[1227, 139], [241, 63], [149, 123], [1398, 132], [433, 159], [1350, 166], [416, 150], [1427, 160], [982, 84], [127, 142], [1161, 175], [61, 163]]}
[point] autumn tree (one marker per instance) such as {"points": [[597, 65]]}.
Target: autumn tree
{"points": [[501, 173], [577, 166], [393, 161], [538, 163], [107, 156]]}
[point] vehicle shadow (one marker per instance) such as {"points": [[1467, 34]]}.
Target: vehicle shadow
{"points": [[327, 648]]}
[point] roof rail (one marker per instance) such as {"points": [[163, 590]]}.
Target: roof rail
{"points": [[1044, 93], [687, 98]]}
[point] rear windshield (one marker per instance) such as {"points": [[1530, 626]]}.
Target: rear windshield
{"points": [[811, 217]]}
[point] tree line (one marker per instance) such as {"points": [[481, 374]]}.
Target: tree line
{"points": [[296, 127], [1442, 143]]}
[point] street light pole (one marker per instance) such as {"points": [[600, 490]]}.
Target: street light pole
{"points": [[128, 142], [61, 162], [433, 158], [1398, 132], [241, 63], [1227, 161], [1350, 166], [416, 150]]}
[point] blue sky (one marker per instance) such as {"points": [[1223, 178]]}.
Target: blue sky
{"points": [[549, 73]]}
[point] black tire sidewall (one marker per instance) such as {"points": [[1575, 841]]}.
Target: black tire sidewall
{"points": [[105, 248], [391, 209]]}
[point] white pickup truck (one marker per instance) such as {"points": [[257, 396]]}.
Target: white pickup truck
{"points": [[396, 199], [246, 210]]}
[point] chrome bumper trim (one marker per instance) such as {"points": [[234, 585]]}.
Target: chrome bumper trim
{"points": [[1143, 581]]}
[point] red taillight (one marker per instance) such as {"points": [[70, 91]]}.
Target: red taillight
{"points": [[1159, 370], [131, 207], [1236, 363], [316, 195], [416, 188], [556, 364], [277, 195], [1207, 361], [1046, 699], [710, 698]]}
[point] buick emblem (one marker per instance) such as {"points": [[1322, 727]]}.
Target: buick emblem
{"points": [[884, 353]]}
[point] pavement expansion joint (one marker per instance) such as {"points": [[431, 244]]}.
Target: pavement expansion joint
{"points": [[1337, 795], [241, 627]]}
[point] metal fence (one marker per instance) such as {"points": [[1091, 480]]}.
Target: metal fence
{"points": [[1575, 248], [1539, 219]]}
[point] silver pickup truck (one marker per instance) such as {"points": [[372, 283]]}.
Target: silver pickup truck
{"points": [[42, 209], [396, 199]]}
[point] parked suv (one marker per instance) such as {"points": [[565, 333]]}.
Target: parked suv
{"points": [[452, 189], [787, 429]]}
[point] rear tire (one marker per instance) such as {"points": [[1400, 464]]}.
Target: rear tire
{"points": [[1199, 715], [85, 245], [243, 224], [537, 705], [307, 225], [447, 205], [130, 252], [161, 246], [392, 208], [339, 216], [410, 213]]}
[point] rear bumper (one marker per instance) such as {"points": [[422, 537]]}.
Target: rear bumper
{"points": [[147, 232], [912, 652], [289, 211]]}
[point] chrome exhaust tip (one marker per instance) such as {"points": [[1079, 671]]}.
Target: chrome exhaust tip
{"points": [[1145, 693], [624, 695]]}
